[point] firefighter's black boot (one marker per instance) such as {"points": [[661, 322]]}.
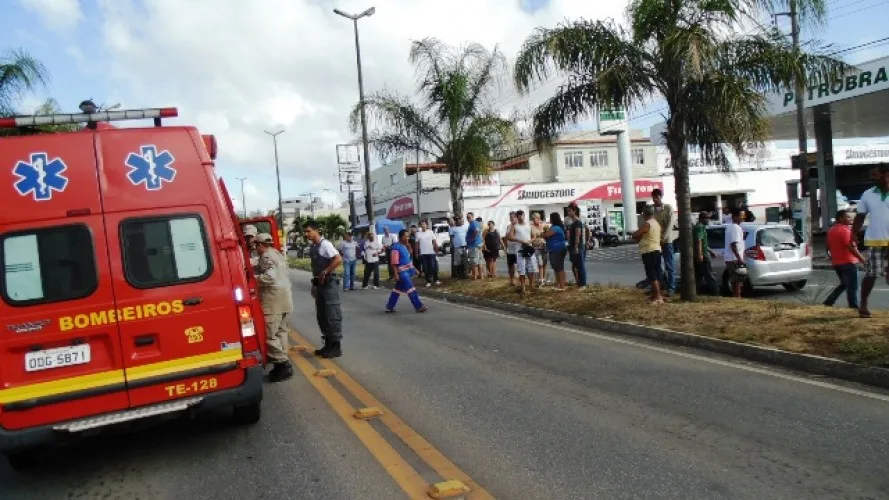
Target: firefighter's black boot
{"points": [[335, 351], [325, 348], [281, 372]]}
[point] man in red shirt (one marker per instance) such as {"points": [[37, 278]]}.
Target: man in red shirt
{"points": [[844, 256]]}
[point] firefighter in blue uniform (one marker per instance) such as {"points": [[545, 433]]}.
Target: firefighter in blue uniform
{"points": [[401, 266]]}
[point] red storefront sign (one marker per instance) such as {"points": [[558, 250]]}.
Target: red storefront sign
{"points": [[401, 208], [613, 192]]}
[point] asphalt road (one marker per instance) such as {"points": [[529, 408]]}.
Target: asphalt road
{"points": [[529, 410]]}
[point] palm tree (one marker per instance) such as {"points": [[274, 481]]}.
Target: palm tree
{"points": [[453, 123], [691, 53], [19, 74]]}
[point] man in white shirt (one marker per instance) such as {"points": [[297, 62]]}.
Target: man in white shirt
{"points": [[428, 253], [372, 250], [329, 314], [526, 263], [389, 239], [734, 251], [349, 250], [874, 205]]}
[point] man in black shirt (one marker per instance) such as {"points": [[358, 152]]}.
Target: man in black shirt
{"points": [[577, 245]]}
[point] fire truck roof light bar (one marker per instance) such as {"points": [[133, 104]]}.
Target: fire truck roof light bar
{"points": [[102, 116]]}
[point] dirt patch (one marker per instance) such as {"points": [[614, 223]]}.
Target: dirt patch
{"points": [[831, 332]]}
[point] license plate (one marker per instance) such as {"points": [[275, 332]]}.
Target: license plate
{"points": [[786, 254], [57, 358]]}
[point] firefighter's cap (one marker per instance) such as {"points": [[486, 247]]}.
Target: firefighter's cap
{"points": [[250, 230], [264, 238]]}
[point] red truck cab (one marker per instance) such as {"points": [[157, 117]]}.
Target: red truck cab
{"points": [[125, 293]]}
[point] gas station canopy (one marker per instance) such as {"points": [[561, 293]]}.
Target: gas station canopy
{"points": [[857, 105]]}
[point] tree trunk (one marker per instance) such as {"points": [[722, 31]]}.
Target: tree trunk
{"points": [[679, 161], [456, 186]]}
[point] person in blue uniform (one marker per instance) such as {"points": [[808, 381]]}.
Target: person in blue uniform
{"points": [[401, 265]]}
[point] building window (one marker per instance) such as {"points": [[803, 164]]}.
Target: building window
{"points": [[574, 159], [165, 251], [393, 178], [638, 156], [599, 158], [48, 265]]}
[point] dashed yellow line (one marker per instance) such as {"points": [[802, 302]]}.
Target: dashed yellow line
{"points": [[404, 475], [446, 469]]}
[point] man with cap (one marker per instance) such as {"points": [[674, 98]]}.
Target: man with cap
{"points": [[325, 260], [273, 277], [250, 233]]}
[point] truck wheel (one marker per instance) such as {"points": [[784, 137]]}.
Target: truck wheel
{"points": [[24, 461], [247, 414]]}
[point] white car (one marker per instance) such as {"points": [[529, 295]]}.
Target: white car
{"points": [[442, 237], [774, 254]]}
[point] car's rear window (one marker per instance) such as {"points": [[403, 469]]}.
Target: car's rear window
{"points": [[164, 251], [46, 265], [778, 236]]}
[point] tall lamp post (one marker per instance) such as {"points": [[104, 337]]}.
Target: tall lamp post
{"points": [[243, 199], [368, 195], [277, 173]]}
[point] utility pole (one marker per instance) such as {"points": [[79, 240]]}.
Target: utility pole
{"points": [[368, 194], [243, 199], [417, 173], [278, 175], [802, 135]]}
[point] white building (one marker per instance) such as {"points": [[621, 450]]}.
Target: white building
{"points": [[584, 166]]}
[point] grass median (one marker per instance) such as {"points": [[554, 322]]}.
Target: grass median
{"points": [[830, 332], [810, 329]]}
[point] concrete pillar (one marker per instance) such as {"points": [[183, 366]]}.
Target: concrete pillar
{"points": [[827, 180], [627, 184]]}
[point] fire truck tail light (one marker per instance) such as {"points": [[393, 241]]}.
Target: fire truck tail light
{"points": [[239, 295], [245, 315], [102, 116]]}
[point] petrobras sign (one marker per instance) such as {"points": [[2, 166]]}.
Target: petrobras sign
{"points": [[482, 187], [867, 78]]}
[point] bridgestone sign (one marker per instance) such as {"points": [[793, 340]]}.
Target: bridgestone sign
{"points": [[862, 81]]}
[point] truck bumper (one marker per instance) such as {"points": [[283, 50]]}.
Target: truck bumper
{"points": [[249, 392]]}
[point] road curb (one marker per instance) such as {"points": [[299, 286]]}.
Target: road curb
{"points": [[817, 365]]}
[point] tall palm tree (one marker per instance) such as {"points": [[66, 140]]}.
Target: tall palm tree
{"points": [[691, 53], [453, 122], [19, 73]]}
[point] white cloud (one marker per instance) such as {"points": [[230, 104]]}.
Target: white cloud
{"points": [[57, 15], [235, 68]]}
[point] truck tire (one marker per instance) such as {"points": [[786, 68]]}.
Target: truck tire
{"points": [[247, 414]]}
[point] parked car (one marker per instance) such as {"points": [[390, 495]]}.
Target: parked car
{"points": [[442, 237], [775, 254]]}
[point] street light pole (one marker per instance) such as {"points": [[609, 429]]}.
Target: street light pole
{"points": [[278, 174], [243, 199], [368, 195]]}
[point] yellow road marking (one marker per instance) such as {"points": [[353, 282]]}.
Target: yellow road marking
{"points": [[404, 475], [423, 448]]}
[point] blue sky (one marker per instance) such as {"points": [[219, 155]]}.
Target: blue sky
{"points": [[77, 49]]}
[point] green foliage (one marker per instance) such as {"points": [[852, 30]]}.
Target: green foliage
{"points": [[20, 74], [691, 53], [452, 120]]}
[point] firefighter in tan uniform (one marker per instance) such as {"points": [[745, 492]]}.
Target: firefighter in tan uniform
{"points": [[250, 233], [273, 276]]}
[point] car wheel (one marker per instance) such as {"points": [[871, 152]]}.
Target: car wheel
{"points": [[25, 460], [247, 414], [795, 286]]}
